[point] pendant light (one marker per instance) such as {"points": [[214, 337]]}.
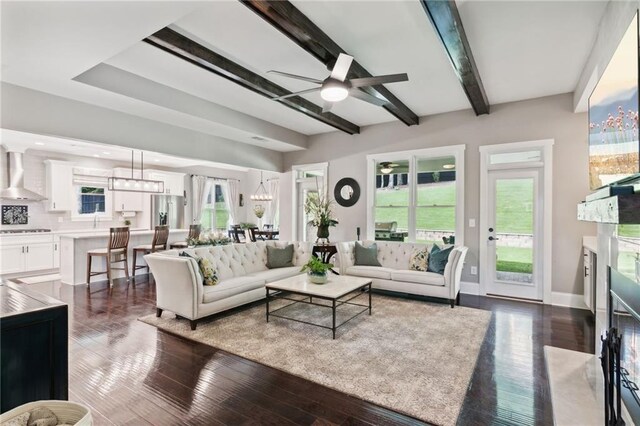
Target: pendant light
{"points": [[260, 195], [133, 184]]}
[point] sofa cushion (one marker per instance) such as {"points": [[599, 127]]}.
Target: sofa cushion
{"points": [[370, 271], [419, 260], [419, 277], [438, 259], [231, 287], [279, 257], [366, 256], [272, 275]]}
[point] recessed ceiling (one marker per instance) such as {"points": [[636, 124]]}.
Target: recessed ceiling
{"points": [[522, 49]]}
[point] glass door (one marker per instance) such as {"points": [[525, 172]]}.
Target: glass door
{"points": [[513, 243]]}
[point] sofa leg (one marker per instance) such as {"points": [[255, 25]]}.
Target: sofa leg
{"points": [[458, 299], [158, 312], [193, 324], [452, 302]]}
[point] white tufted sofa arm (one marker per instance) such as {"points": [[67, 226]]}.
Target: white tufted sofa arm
{"points": [[178, 283]]}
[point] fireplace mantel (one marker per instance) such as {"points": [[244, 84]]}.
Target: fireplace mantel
{"points": [[619, 209]]}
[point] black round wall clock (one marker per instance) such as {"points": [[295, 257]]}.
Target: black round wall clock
{"points": [[346, 192]]}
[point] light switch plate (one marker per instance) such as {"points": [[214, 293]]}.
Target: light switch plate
{"points": [[472, 223], [474, 270]]}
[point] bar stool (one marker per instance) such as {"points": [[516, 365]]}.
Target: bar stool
{"points": [[118, 246], [159, 243], [194, 234]]}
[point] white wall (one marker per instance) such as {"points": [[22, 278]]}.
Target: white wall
{"points": [[545, 118]]}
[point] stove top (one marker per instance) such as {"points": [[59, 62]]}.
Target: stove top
{"points": [[23, 231]]}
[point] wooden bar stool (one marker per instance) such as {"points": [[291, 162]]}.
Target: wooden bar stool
{"points": [[118, 247], [159, 243], [194, 234]]}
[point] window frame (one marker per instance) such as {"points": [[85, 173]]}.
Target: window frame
{"points": [[108, 204], [456, 151]]}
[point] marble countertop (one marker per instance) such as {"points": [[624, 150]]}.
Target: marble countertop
{"points": [[104, 233]]}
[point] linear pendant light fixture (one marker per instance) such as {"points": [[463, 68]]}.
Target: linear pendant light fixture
{"points": [[132, 184]]}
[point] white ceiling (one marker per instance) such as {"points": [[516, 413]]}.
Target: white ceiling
{"points": [[21, 141], [523, 50]]}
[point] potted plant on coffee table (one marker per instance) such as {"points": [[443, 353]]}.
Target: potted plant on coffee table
{"points": [[317, 270]]}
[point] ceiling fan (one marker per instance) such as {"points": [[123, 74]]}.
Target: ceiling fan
{"points": [[386, 167], [337, 87]]}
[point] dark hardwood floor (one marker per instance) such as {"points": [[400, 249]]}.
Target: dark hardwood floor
{"points": [[130, 373]]}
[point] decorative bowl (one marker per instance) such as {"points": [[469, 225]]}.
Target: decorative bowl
{"points": [[317, 278]]}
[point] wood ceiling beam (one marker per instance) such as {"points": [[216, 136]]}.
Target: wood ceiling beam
{"points": [[285, 17], [446, 21], [185, 48]]}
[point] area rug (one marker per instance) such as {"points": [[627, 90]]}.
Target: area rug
{"points": [[410, 356]]}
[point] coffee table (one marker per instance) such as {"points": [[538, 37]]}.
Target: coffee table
{"points": [[334, 290]]}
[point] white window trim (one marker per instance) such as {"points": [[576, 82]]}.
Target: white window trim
{"points": [[295, 170], [546, 145], [88, 217], [456, 151]]}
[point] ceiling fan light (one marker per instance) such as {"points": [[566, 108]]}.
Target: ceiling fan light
{"points": [[449, 166], [386, 170], [334, 93]]}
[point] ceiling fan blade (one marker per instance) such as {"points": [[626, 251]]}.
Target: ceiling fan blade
{"points": [[297, 77], [367, 98], [278, 98], [381, 79], [341, 68], [326, 106]]}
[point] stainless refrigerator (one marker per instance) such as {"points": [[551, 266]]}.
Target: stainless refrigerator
{"points": [[167, 210]]}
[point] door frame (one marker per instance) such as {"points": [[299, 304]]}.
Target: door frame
{"points": [[296, 170], [546, 147]]}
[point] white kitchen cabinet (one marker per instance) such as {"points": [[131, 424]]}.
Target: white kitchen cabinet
{"points": [[12, 259], [59, 185], [590, 265], [173, 182], [25, 253], [124, 201], [38, 256], [56, 251]]}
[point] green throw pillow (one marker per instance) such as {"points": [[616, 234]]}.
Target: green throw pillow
{"points": [[419, 260], [279, 257], [209, 275], [438, 259], [366, 256]]}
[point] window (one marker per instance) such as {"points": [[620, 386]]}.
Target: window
{"points": [[215, 214], [91, 200], [417, 196]]}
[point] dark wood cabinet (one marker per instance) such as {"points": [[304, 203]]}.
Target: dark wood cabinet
{"points": [[34, 361]]}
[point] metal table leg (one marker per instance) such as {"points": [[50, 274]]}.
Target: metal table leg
{"points": [[334, 318], [267, 305], [369, 298]]}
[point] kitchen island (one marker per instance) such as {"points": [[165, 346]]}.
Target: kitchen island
{"points": [[74, 248]]}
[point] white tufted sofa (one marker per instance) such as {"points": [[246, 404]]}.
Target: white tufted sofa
{"points": [[242, 274], [395, 275]]}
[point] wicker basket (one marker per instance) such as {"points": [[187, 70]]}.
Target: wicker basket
{"points": [[67, 412]]}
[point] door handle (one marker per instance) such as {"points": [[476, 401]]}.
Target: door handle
{"points": [[490, 229], [55, 247], [493, 239], [22, 249], [27, 249], [54, 204], [586, 271]]}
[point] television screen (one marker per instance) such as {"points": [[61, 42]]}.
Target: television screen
{"points": [[614, 149]]}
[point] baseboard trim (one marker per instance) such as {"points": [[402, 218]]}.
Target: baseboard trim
{"points": [[568, 300], [469, 288]]}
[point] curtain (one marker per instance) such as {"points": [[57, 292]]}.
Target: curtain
{"points": [[200, 188], [272, 207], [231, 194]]}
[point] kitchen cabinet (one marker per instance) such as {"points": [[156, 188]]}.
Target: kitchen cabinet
{"points": [[59, 185], [124, 201], [26, 253], [590, 261], [173, 182]]}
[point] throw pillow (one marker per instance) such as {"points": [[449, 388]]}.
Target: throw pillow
{"points": [[438, 259], [419, 260], [366, 256], [208, 272], [19, 420], [279, 257]]}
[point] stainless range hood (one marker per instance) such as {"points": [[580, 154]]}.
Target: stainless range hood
{"points": [[16, 190]]}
